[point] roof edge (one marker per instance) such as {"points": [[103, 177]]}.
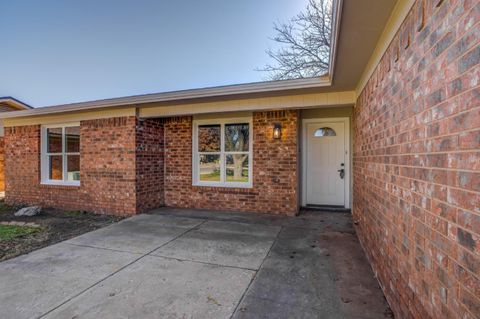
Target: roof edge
{"points": [[249, 88], [15, 103], [337, 13]]}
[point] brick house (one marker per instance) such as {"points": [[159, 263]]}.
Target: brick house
{"points": [[7, 104], [392, 132]]}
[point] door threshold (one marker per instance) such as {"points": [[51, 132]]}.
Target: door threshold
{"points": [[327, 208]]}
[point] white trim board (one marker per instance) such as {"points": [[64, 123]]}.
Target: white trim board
{"points": [[311, 100]]}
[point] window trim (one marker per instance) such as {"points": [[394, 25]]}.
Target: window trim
{"points": [[44, 165], [196, 154]]}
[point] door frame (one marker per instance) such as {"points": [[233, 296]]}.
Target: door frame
{"points": [[346, 121]]}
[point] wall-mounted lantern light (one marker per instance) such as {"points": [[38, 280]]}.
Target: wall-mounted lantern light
{"points": [[277, 131]]}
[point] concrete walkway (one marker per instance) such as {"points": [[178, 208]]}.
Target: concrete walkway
{"points": [[177, 263]]}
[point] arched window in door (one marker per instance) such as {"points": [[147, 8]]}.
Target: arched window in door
{"points": [[324, 131]]}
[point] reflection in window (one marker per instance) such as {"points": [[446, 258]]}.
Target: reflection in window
{"points": [[325, 131], [209, 166], [236, 137], [236, 152], [223, 154], [55, 169], [61, 154], [236, 168], [209, 138], [54, 144], [73, 167], [72, 135]]}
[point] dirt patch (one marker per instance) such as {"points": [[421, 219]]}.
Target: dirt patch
{"points": [[54, 226]]}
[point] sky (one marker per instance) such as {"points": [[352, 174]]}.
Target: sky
{"points": [[66, 51]]}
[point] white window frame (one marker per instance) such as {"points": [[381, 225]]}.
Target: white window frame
{"points": [[196, 154], [44, 156]]}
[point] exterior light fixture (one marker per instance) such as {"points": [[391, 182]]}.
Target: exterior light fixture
{"points": [[277, 131]]}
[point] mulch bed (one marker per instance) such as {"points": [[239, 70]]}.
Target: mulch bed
{"points": [[55, 226]]}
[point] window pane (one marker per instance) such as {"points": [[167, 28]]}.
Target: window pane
{"points": [[209, 138], [54, 140], [73, 167], [209, 167], [55, 167], [72, 135], [237, 168], [236, 137]]}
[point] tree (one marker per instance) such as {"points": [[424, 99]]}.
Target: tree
{"points": [[236, 139], [305, 43]]}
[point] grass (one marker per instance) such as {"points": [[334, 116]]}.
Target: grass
{"points": [[215, 177], [244, 179], [8, 232], [212, 177]]}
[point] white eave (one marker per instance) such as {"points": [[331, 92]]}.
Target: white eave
{"points": [[249, 88], [14, 103]]}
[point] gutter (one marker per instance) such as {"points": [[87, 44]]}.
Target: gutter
{"points": [[249, 88]]}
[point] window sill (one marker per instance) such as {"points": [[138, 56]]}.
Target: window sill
{"points": [[59, 184], [229, 185], [204, 189]]}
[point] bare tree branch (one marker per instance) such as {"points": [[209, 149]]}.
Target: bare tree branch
{"points": [[305, 40]]}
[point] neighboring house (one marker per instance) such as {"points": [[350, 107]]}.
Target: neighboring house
{"points": [[7, 104], [391, 132]]}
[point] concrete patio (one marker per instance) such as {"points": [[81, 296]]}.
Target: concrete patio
{"points": [[177, 263]]}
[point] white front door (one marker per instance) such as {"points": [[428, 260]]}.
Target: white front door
{"points": [[325, 151]]}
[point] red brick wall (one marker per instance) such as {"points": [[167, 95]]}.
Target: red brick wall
{"points": [[275, 176], [150, 164], [126, 169], [2, 164], [107, 164], [22, 164], [107, 168], [4, 107], [417, 164], [178, 162]]}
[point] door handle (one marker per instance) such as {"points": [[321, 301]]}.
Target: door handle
{"points": [[342, 173]]}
